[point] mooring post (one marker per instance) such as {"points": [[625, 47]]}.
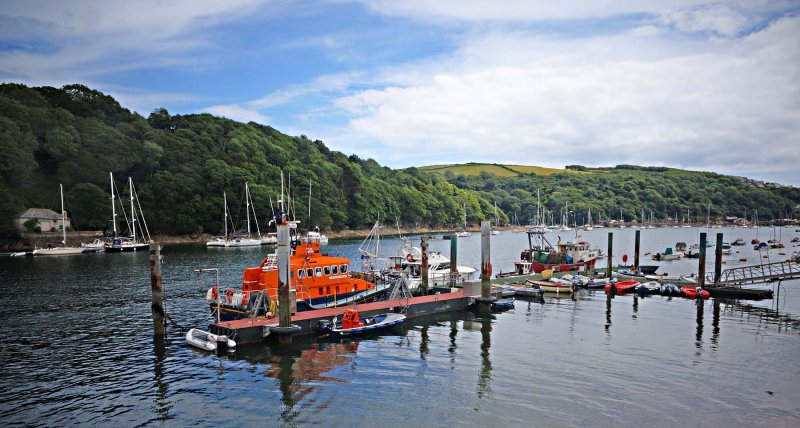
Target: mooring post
{"points": [[453, 259], [610, 256], [701, 269], [285, 329], [718, 259], [636, 251], [486, 299], [157, 289], [424, 268]]}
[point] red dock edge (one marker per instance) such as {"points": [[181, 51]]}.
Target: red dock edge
{"points": [[252, 330]]}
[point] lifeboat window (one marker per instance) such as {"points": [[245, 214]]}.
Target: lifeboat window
{"points": [[327, 290], [318, 271], [343, 269], [301, 273], [327, 270], [335, 270]]}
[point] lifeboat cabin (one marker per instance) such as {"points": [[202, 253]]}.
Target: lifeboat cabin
{"points": [[316, 277]]}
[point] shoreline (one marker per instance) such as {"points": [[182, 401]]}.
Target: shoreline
{"points": [[29, 241]]}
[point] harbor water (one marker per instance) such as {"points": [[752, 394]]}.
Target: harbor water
{"points": [[77, 349]]}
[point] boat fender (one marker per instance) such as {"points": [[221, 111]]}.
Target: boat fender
{"points": [[211, 294], [409, 257], [229, 294]]}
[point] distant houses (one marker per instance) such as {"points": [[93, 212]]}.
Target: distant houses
{"points": [[41, 219]]}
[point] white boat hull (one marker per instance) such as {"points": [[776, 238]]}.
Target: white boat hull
{"points": [[58, 251], [244, 242]]}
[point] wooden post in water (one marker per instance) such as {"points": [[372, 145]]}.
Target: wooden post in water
{"points": [[157, 290], [453, 259], [701, 269], [285, 328], [485, 301], [636, 250], [610, 255], [424, 268], [718, 259]]}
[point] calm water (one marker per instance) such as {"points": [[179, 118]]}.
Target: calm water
{"points": [[77, 349]]}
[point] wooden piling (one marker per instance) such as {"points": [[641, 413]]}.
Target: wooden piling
{"points": [[424, 267], [285, 329], [718, 259], [636, 250], [157, 291], [486, 299], [701, 269], [610, 256], [453, 259]]}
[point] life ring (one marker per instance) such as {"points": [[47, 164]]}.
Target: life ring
{"points": [[409, 258], [229, 294]]}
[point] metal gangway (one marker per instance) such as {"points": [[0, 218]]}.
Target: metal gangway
{"points": [[758, 274]]}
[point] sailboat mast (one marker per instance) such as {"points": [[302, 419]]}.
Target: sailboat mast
{"points": [[225, 215], [247, 207], [113, 205], [133, 213], [63, 216]]}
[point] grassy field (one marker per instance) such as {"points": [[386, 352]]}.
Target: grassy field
{"points": [[496, 169]]}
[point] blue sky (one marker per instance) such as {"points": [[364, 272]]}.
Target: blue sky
{"points": [[684, 83]]}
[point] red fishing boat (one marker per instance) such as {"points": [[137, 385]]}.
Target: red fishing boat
{"points": [[564, 257]]}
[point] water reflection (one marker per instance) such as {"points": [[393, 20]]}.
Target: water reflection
{"points": [[423, 343], [300, 367], [453, 343], [160, 403], [715, 325], [698, 343], [485, 376]]}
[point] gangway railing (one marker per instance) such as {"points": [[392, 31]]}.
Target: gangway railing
{"points": [[757, 274]]}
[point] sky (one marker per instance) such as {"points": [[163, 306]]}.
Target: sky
{"points": [[695, 84]]}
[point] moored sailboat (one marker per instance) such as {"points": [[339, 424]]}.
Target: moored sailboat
{"points": [[62, 249]]}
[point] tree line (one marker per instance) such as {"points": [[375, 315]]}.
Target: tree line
{"points": [[182, 164]]}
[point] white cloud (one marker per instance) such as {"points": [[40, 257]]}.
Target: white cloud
{"points": [[238, 113], [704, 104], [80, 35]]}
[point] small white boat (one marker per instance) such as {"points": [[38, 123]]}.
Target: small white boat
{"points": [[96, 246], [61, 249], [208, 341], [314, 235]]}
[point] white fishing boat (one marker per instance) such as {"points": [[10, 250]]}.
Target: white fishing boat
{"points": [[60, 249]]}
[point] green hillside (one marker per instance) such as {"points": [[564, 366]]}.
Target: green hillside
{"points": [[492, 168], [182, 164]]}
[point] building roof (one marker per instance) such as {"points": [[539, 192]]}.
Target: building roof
{"points": [[41, 213]]}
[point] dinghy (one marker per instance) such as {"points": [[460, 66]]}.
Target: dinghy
{"points": [[350, 324], [693, 292], [208, 341], [623, 286]]}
